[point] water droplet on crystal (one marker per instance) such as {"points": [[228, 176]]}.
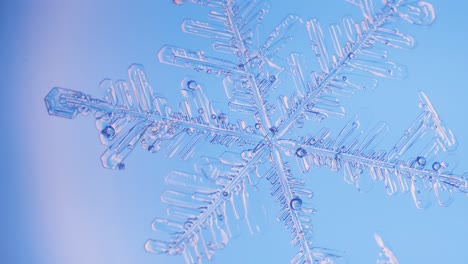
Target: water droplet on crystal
{"points": [[121, 166], [421, 160], [213, 116], [338, 156], [296, 203], [192, 84], [272, 78], [310, 106], [344, 78], [108, 132], [83, 109], [300, 152], [436, 166], [257, 125], [225, 194], [355, 124], [359, 170], [222, 117], [200, 110], [247, 154], [351, 55], [273, 129], [312, 141], [187, 225]]}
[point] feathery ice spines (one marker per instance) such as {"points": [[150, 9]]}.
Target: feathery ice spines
{"points": [[420, 161], [206, 209]]}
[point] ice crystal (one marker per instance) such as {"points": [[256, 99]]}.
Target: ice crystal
{"points": [[273, 99], [386, 256]]}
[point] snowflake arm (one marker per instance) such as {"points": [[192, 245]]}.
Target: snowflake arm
{"points": [[209, 204], [402, 168], [130, 113], [296, 213], [233, 26], [359, 50]]}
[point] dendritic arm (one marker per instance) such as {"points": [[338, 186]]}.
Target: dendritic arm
{"points": [[296, 213], [248, 80], [359, 51], [204, 208], [418, 162], [132, 114]]}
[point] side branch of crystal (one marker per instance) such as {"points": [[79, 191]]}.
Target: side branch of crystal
{"points": [[360, 51], [131, 114], [296, 212], [420, 161], [233, 26], [210, 204]]}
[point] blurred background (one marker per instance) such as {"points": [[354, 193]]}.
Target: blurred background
{"points": [[59, 205]]}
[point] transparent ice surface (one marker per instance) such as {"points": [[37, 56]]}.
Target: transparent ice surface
{"points": [[264, 127]]}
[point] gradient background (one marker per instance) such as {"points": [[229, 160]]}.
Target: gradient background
{"points": [[60, 206]]}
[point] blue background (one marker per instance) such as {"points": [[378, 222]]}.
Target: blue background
{"points": [[60, 206]]}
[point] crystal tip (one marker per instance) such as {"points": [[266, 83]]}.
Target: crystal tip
{"points": [[58, 105]]}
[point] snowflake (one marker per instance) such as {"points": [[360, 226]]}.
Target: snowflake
{"points": [[275, 97]]}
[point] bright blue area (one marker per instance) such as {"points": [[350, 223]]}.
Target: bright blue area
{"points": [[60, 206]]}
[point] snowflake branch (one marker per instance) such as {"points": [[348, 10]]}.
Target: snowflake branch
{"points": [[214, 198], [283, 128]]}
